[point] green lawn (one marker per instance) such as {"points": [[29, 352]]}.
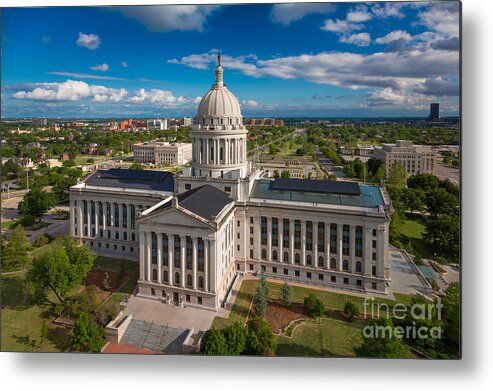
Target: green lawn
{"points": [[413, 228], [240, 309], [21, 317], [9, 224], [324, 337]]}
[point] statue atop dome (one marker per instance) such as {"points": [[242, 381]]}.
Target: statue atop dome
{"points": [[219, 57]]}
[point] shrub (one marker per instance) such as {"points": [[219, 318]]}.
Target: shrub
{"points": [[350, 310], [41, 241], [286, 295], [106, 313], [261, 340], [27, 221], [313, 306]]}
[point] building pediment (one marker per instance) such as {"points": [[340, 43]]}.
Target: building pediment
{"points": [[176, 216]]}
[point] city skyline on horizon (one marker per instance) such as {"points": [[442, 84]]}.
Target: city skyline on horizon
{"points": [[329, 60]]}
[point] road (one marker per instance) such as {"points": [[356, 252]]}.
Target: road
{"points": [[331, 169], [277, 140], [443, 171]]}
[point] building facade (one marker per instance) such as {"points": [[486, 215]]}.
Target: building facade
{"points": [[195, 233], [162, 153], [416, 159]]}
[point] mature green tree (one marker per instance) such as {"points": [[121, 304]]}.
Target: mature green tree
{"points": [[15, 250], [236, 337], [69, 163], [351, 310], [286, 174], [423, 313], [86, 335], [313, 306], [451, 317], [277, 174], [261, 340], [397, 175], [260, 297], [443, 233], [380, 341], [286, 294], [37, 202], [214, 343], [137, 166], [380, 174], [450, 187], [413, 200], [61, 269], [425, 182], [439, 201]]}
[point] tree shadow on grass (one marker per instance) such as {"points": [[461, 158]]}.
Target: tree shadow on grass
{"points": [[291, 349], [25, 340], [60, 338]]}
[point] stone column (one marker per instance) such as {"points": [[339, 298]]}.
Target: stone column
{"points": [[269, 238], [194, 262], [339, 247], [183, 242], [315, 244], [120, 217], [291, 241], [142, 255], [105, 210], [381, 249], [303, 242], [89, 218], [367, 250], [280, 237], [80, 220], [327, 246], [159, 244], [257, 237], [352, 245], [171, 252], [96, 219], [206, 265], [212, 266], [148, 255]]}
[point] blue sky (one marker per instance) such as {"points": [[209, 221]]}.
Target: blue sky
{"points": [[319, 59]]}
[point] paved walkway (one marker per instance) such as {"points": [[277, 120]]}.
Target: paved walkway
{"points": [[405, 279], [154, 311]]}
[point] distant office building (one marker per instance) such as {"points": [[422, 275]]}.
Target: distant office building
{"points": [[187, 121], [416, 159], [161, 124], [162, 153], [40, 122], [130, 124], [263, 122], [434, 111]]}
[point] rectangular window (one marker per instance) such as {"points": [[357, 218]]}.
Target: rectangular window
{"points": [[251, 254], [358, 242], [251, 230], [309, 275], [286, 272], [251, 266], [285, 233], [321, 237], [358, 282], [238, 247], [227, 189], [188, 186], [274, 270], [332, 278], [374, 244], [346, 281], [374, 256], [309, 236], [251, 241], [187, 298], [373, 270], [199, 300], [345, 239], [333, 238], [263, 230], [297, 273], [124, 213], [321, 277], [132, 216], [297, 235], [108, 214], [275, 232], [374, 285]]}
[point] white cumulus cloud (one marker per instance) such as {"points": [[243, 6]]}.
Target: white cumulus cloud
{"points": [[101, 67], [90, 41], [287, 13], [360, 39], [163, 18], [394, 36]]}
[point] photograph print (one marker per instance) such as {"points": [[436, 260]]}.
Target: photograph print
{"points": [[232, 179]]}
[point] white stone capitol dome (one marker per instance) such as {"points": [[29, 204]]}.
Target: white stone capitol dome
{"points": [[219, 102]]}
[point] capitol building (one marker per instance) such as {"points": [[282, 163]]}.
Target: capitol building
{"points": [[194, 234]]}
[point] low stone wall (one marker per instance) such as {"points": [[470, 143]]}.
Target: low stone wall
{"points": [[116, 328]]}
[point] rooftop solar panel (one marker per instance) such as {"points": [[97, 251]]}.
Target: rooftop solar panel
{"points": [[133, 179], [314, 186]]}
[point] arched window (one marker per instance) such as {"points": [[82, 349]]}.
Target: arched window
{"points": [[274, 255], [177, 278], [358, 267], [320, 261], [201, 282], [165, 276], [154, 274], [297, 258], [189, 280], [285, 257], [309, 260], [333, 263], [264, 253], [345, 265]]}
